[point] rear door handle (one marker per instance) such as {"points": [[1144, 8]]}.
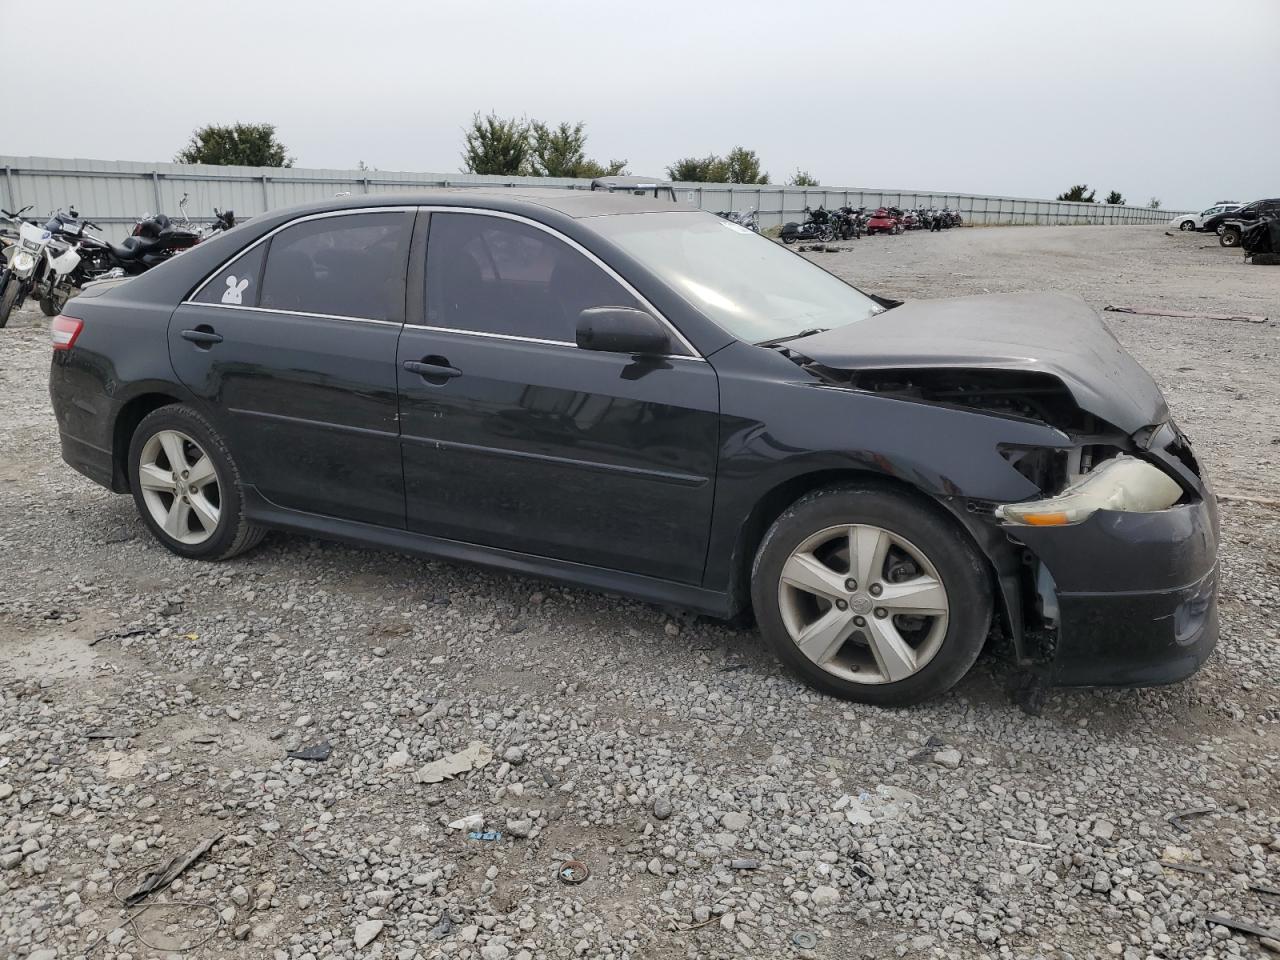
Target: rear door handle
{"points": [[432, 371], [202, 336]]}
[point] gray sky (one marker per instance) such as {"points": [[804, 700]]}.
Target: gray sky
{"points": [[1178, 99]]}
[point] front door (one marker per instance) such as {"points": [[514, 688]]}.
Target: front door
{"points": [[293, 348], [514, 438]]}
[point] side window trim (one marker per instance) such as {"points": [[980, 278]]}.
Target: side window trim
{"points": [[417, 317], [415, 303], [266, 237]]}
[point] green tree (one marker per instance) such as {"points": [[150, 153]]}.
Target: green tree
{"points": [[240, 144], [740, 166], [708, 169], [1078, 194], [1115, 199], [561, 151], [802, 178], [558, 151], [496, 146], [744, 167], [1154, 203], [593, 169]]}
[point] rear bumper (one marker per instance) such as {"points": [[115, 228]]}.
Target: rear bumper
{"points": [[1136, 594], [94, 462], [84, 414]]}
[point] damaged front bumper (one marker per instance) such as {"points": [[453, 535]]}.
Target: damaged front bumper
{"points": [[1127, 599]]}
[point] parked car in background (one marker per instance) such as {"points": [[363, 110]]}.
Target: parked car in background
{"points": [[1232, 224], [1195, 221], [1247, 211], [629, 395]]}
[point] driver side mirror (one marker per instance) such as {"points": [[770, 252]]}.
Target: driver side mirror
{"points": [[621, 330]]}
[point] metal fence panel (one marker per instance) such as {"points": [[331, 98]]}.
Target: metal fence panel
{"points": [[115, 193]]}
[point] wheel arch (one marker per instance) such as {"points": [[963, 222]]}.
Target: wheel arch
{"points": [[131, 414], [1002, 560]]}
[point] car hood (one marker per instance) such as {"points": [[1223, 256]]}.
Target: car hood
{"points": [[1053, 333]]}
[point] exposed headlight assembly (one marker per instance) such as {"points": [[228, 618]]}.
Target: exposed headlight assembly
{"points": [[1122, 483], [22, 263]]}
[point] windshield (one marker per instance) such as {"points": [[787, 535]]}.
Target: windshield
{"points": [[752, 287]]}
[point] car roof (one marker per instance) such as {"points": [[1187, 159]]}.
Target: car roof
{"points": [[578, 204]]}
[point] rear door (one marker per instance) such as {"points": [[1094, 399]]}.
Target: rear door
{"points": [[514, 438], [292, 348]]}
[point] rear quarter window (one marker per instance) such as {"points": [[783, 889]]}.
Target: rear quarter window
{"points": [[238, 283]]}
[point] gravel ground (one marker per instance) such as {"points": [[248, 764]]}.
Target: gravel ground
{"points": [[723, 809]]}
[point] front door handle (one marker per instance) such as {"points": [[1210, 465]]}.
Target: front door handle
{"points": [[202, 336], [433, 368]]}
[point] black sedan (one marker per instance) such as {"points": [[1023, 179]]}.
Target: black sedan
{"points": [[625, 394]]}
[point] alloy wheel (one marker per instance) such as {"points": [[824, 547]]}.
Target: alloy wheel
{"points": [[863, 603], [180, 487]]}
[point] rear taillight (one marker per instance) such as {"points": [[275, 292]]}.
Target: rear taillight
{"points": [[64, 330]]}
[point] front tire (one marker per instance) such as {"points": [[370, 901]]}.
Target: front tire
{"points": [[187, 488], [871, 595], [9, 299], [1230, 237], [1186, 225]]}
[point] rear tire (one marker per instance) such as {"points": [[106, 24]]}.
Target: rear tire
{"points": [[1230, 237], [915, 558], [187, 487]]}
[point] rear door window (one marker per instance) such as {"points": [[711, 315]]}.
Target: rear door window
{"points": [[494, 275], [345, 266]]}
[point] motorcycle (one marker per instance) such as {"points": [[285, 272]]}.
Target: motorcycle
{"points": [[848, 223], [750, 219], [883, 221], [1260, 240], [84, 257], [226, 219], [24, 262], [222, 220], [816, 226]]}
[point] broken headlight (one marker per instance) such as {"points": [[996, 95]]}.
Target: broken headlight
{"points": [[1121, 483]]}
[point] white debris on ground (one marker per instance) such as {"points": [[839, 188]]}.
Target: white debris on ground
{"points": [[721, 808]]}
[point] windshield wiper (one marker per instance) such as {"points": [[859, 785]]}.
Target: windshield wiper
{"points": [[792, 336]]}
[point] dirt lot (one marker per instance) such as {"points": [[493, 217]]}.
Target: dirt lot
{"points": [[723, 809]]}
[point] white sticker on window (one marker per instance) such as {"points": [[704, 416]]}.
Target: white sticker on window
{"points": [[235, 290]]}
